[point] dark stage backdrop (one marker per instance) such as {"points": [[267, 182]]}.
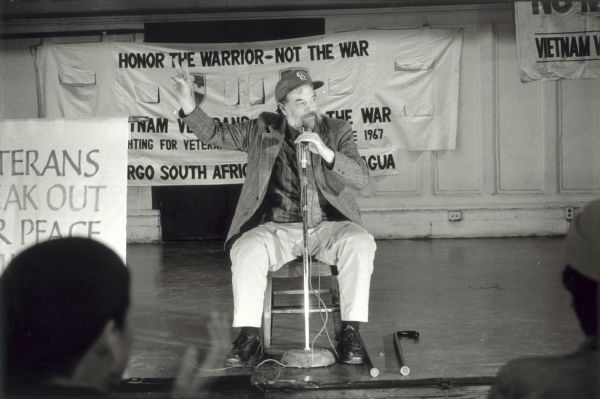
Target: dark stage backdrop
{"points": [[205, 212]]}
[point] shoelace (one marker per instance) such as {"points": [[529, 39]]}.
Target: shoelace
{"points": [[351, 338], [242, 339]]}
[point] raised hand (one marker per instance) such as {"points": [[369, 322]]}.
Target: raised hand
{"points": [[191, 380], [184, 93]]}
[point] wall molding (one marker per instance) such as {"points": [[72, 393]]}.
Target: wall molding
{"points": [[477, 221]]}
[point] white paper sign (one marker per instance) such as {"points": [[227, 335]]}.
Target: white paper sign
{"points": [[558, 39], [62, 178]]}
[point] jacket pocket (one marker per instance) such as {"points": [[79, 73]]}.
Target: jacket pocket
{"points": [[147, 92], [231, 91], [70, 76], [256, 91], [80, 84], [341, 84], [419, 73]]}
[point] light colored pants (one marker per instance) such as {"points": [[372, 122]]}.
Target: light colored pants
{"points": [[270, 245]]}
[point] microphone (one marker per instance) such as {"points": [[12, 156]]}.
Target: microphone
{"points": [[303, 155], [308, 125]]}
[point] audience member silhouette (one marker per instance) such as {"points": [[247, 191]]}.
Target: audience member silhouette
{"points": [[574, 375], [65, 325]]}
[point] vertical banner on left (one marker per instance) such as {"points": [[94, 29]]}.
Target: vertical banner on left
{"points": [[62, 177]]}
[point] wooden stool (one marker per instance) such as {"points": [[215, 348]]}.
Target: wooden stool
{"points": [[293, 269]]}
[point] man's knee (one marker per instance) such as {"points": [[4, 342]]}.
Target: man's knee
{"points": [[248, 244], [361, 242], [361, 247], [248, 251]]}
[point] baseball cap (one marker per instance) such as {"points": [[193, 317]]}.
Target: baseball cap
{"points": [[582, 244], [291, 79]]}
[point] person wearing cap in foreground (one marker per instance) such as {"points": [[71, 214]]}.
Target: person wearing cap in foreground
{"points": [[64, 325], [575, 375], [64, 306], [266, 231]]}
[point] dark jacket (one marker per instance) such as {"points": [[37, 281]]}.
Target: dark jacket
{"points": [[571, 376], [261, 138]]}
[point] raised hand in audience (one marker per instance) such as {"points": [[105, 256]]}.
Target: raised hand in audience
{"points": [[193, 379]]}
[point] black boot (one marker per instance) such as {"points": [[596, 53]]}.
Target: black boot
{"points": [[247, 349], [350, 348]]}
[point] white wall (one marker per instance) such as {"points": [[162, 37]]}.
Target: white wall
{"points": [[525, 152]]}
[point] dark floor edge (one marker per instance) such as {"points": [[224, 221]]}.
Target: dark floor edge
{"points": [[246, 383]]}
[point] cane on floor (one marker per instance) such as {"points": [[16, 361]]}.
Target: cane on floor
{"points": [[404, 369]]}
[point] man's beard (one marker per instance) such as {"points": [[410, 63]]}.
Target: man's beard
{"points": [[307, 121]]}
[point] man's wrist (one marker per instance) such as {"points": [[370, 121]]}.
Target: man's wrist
{"points": [[187, 109], [329, 159]]}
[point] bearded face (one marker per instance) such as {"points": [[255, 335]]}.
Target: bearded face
{"points": [[300, 108]]}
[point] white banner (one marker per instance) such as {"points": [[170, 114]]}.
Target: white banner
{"points": [[62, 178], [398, 88], [558, 39], [157, 172]]}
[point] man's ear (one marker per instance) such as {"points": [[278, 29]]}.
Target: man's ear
{"points": [[96, 366], [111, 336], [281, 108]]}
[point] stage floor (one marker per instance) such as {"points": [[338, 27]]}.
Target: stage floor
{"points": [[476, 303]]}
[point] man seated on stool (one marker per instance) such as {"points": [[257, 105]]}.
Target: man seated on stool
{"points": [[266, 231], [574, 375]]}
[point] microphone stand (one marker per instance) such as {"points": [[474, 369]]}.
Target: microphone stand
{"points": [[316, 357], [305, 254]]}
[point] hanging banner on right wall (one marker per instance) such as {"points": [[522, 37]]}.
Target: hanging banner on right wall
{"points": [[558, 39]]}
